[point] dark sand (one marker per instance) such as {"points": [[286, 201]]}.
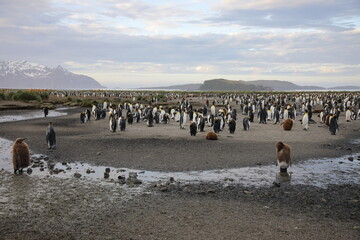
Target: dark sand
{"points": [[50, 208]]}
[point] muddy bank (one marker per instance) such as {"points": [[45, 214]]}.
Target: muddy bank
{"points": [[46, 208], [165, 147]]}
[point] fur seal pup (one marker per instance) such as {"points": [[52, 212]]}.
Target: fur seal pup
{"points": [[193, 129], [246, 124], [211, 136], [20, 155], [287, 124], [50, 136], [232, 126], [283, 156]]}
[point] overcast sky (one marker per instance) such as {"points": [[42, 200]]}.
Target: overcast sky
{"points": [[140, 43]]}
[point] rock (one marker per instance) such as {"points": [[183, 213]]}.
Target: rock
{"points": [[77, 175], [56, 170], [98, 153], [338, 148], [107, 170], [211, 191], [248, 192], [88, 171], [229, 179], [29, 171], [349, 148], [341, 162], [358, 158], [68, 168], [106, 175], [51, 165], [46, 158], [122, 170], [35, 165], [350, 159], [172, 179], [133, 174], [64, 163], [164, 189], [258, 164], [276, 184], [42, 169]]}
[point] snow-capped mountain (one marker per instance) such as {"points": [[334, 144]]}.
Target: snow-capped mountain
{"points": [[24, 74]]}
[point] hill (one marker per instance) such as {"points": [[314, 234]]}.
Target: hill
{"points": [[23, 74]]}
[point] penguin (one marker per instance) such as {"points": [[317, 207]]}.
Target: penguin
{"points": [[112, 123], [217, 124], [246, 124], [193, 129], [251, 115], [20, 155], [122, 123], [305, 120], [130, 118], [277, 115], [283, 156], [46, 111], [211, 136], [201, 123], [287, 124], [348, 115], [210, 119], [232, 126], [333, 126], [150, 119], [88, 114], [50, 136], [82, 117]]}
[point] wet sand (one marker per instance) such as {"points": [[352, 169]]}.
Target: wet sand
{"points": [[50, 208]]}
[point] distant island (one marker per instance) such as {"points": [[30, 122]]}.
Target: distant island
{"points": [[241, 85]]}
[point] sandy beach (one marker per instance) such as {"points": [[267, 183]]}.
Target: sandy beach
{"points": [[34, 207]]}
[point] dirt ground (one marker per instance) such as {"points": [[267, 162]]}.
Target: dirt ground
{"points": [[51, 208]]}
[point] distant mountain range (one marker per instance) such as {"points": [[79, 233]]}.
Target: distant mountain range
{"points": [[25, 75], [258, 85]]}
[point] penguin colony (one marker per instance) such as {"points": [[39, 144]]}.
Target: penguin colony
{"points": [[218, 116]]}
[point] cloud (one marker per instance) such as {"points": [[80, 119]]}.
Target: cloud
{"points": [[333, 15]]}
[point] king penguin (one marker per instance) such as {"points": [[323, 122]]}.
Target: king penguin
{"points": [[50, 136], [122, 123], [232, 126], [193, 129], [246, 124], [112, 123], [305, 121], [20, 155], [283, 156], [333, 126]]}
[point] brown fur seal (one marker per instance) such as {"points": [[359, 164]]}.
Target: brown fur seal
{"points": [[287, 124], [20, 155], [283, 155], [211, 136]]}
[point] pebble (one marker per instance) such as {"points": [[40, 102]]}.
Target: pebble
{"points": [[106, 175], [107, 170], [98, 153], [350, 159], [29, 171], [77, 175]]}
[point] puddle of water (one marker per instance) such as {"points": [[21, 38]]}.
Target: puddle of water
{"points": [[31, 114], [315, 172]]}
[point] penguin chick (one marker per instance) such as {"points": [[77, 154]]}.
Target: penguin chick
{"points": [[20, 155]]}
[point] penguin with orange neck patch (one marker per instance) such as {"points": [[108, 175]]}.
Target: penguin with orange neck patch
{"points": [[20, 155]]}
